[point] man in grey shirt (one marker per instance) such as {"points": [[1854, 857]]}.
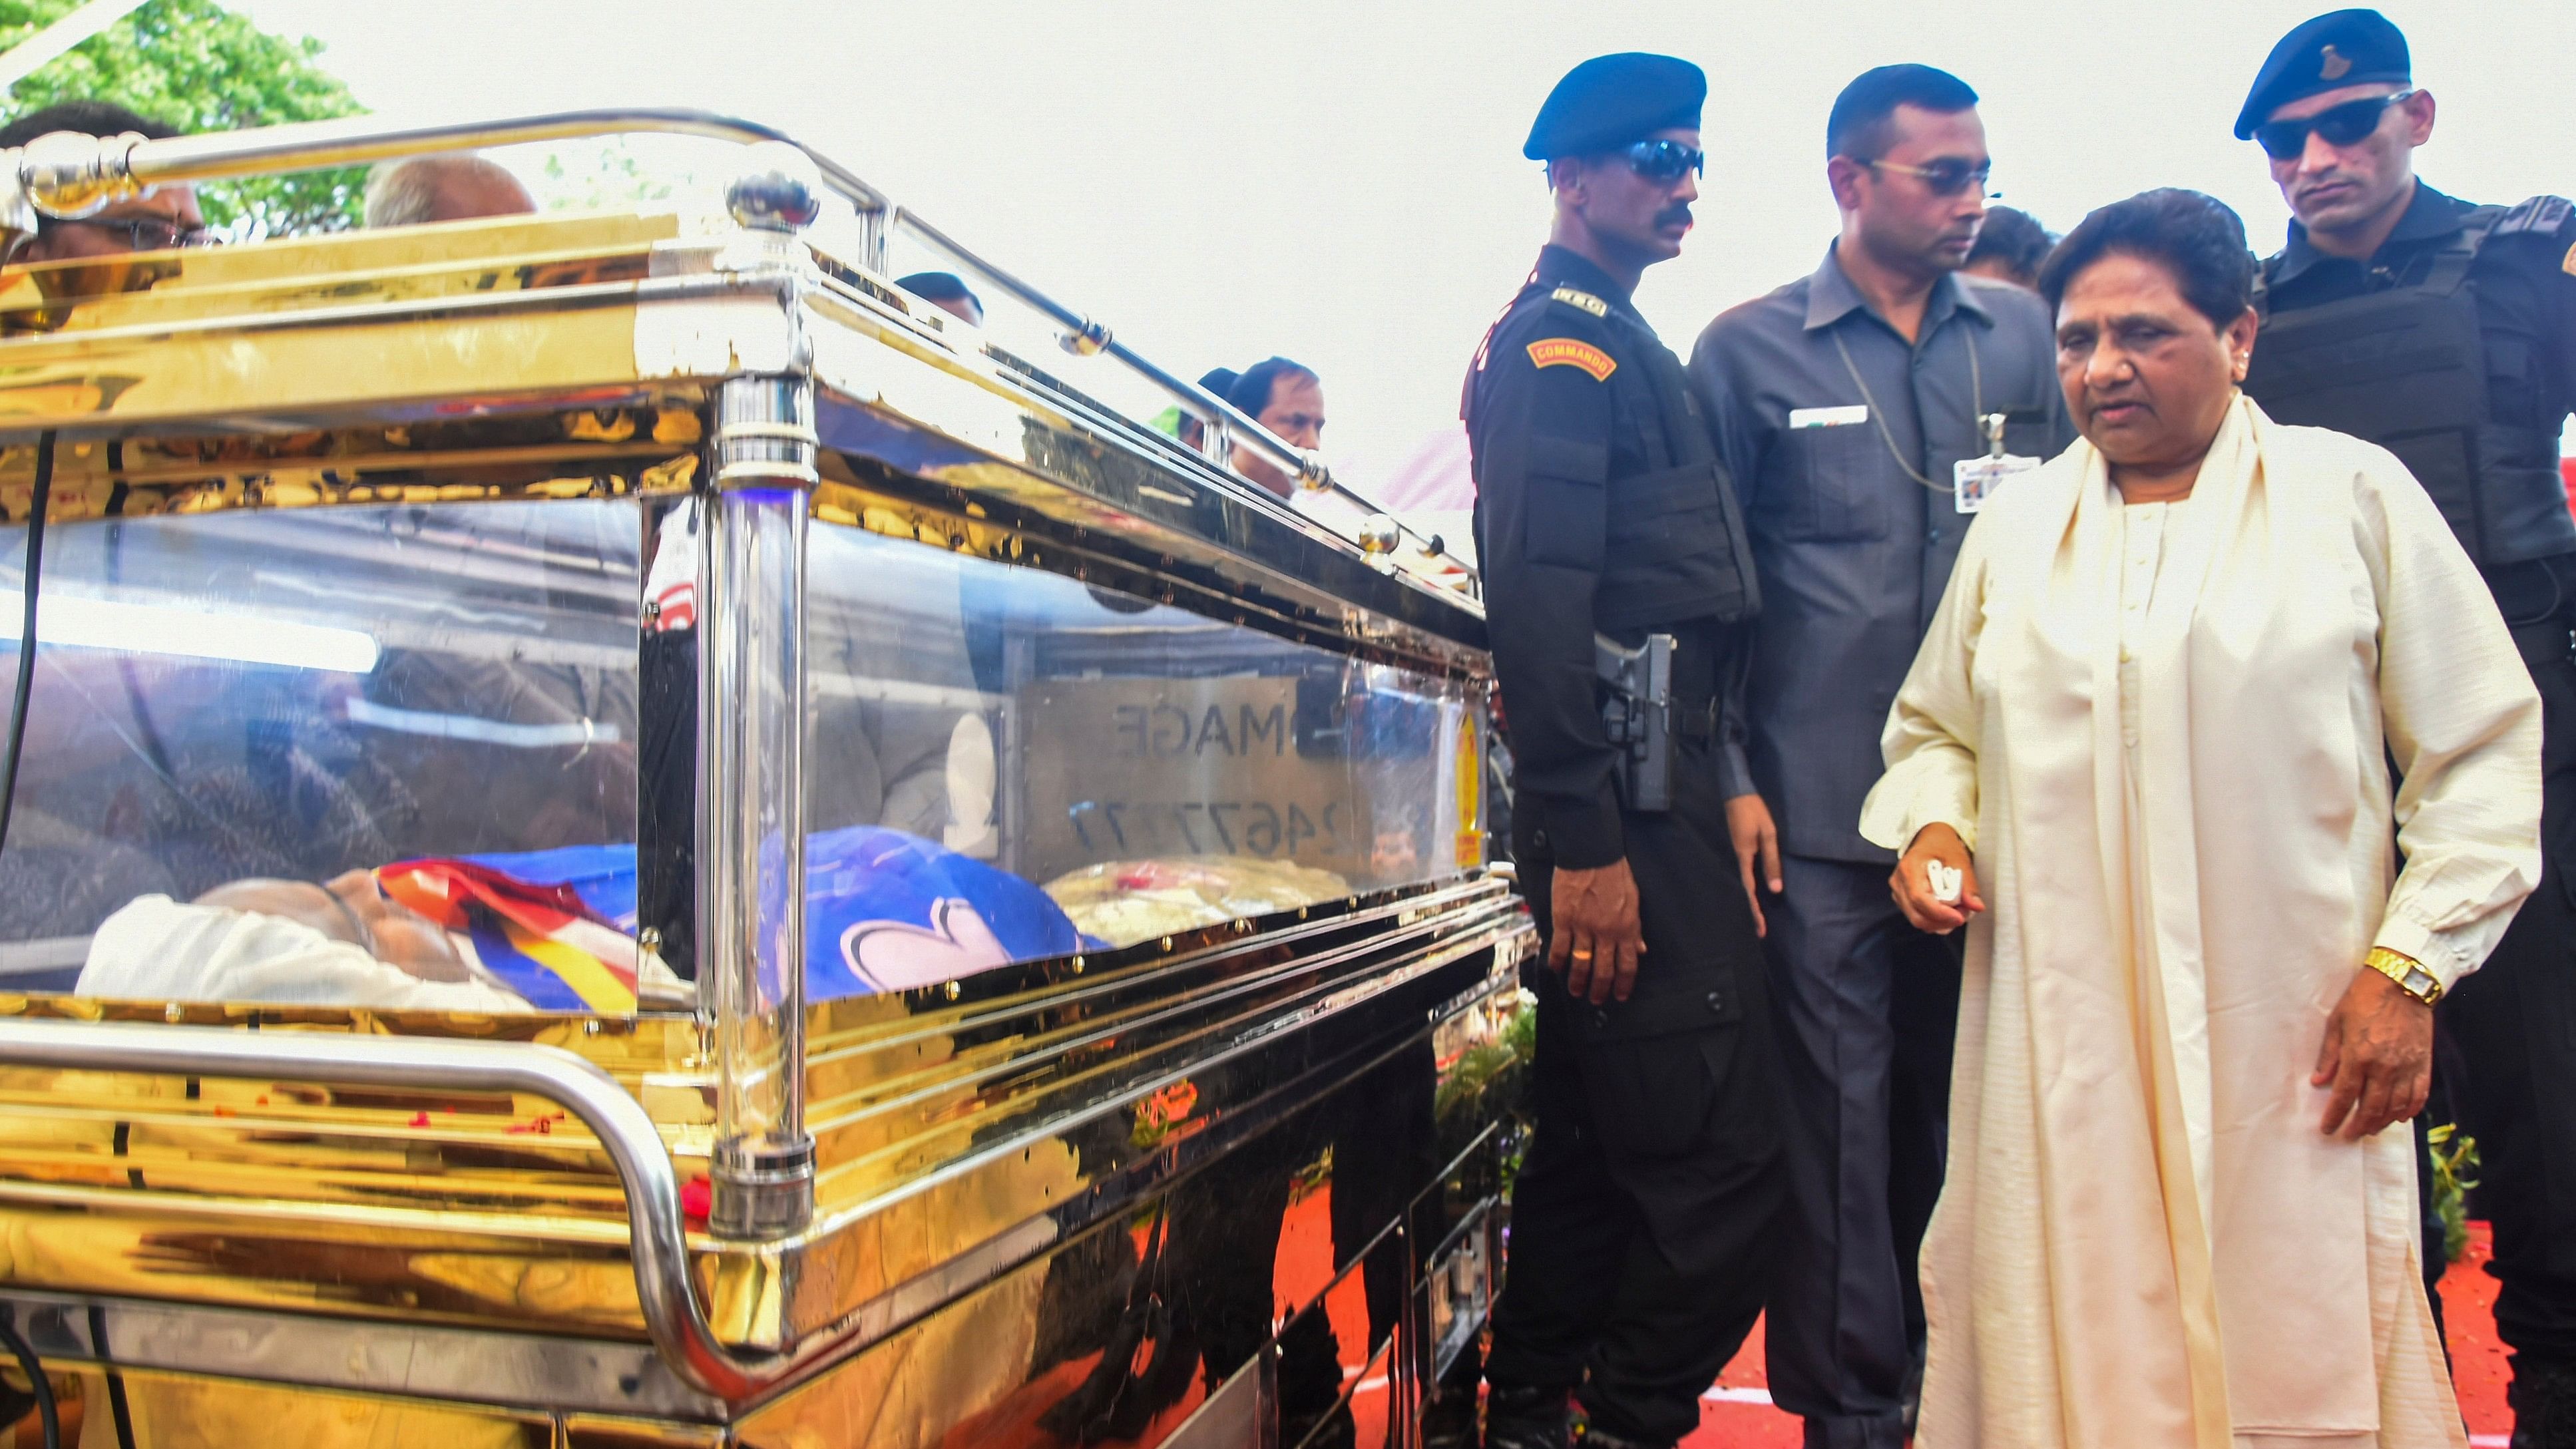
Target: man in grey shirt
{"points": [[1844, 404]]}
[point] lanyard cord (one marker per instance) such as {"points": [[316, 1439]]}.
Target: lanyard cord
{"points": [[1976, 403]]}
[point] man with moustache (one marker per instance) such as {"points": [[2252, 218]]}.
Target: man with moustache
{"points": [[160, 218], [1642, 1214], [2446, 332], [1865, 412]]}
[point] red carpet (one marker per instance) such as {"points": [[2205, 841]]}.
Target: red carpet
{"points": [[1737, 1414]]}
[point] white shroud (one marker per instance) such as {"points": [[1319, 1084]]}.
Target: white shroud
{"points": [[2144, 1239]]}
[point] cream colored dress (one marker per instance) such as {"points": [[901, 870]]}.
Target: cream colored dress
{"points": [[2165, 732]]}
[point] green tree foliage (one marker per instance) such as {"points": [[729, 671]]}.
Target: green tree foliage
{"points": [[199, 67], [2455, 1156]]}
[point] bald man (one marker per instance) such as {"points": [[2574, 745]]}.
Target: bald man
{"points": [[443, 188]]}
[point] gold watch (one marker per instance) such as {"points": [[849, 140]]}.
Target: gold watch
{"points": [[2406, 971]]}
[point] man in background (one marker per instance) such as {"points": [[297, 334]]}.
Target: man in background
{"points": [[948, 292], [1861, 410], [1286, 398], [163, 217], [2010, 247], [443, 188]]}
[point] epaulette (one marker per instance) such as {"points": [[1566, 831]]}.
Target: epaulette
{"points": [[1581, 301], [2542, 214]]}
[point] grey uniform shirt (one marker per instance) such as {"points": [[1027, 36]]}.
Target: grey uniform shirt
{"points": [[1852, 552]]}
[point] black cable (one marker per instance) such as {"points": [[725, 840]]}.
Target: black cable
{"points": [[36, 504], [115, 1381], [153, 750], [28, 1363]]}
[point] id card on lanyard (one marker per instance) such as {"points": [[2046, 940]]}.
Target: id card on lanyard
{"points": [[1974, 480]]}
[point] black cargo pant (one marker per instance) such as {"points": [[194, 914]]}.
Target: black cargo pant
{"points": [[1867, 1008], [1644, 1210], [2514, 1021]]}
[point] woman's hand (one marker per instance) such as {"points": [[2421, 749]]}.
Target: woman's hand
{"points": [[2378, 1053], [1911, 885]]}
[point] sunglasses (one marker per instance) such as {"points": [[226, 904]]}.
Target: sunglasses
{"points": [[2342, 125], [145, 233], [1666, 161], [1947, 177]]}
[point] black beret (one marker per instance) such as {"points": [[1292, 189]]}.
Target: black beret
{"points": [[2345, 48], [938, 287], [1611, 101]]}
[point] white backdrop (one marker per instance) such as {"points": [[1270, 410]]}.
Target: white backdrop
{"points": [[1342, 181]]}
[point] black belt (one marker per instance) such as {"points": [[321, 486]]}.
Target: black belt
{"points": [[1695, 719]]}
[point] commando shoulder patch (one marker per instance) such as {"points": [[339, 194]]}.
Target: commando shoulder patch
{"points": [[1568, 352]]}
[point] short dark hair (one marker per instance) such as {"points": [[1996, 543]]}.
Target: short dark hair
{"points": [[1251, 391], [2014, 238], [2195, 237], [1859, 125], [88, 118], [939, 287]]}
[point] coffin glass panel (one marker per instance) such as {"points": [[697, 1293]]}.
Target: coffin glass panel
{"points": [[1005, 764], [401, 758], [351, 756]]}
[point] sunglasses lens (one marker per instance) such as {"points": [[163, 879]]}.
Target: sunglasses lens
{"points": [[2342, 126], [1663, 161], [2283, 140], [2346, 124]]}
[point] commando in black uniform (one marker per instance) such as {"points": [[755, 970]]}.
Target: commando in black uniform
{"points": [[1641, 1211], [2454, 346]]}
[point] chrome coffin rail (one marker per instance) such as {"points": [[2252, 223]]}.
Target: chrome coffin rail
{"points": [[658, 1239], [70, 175]]}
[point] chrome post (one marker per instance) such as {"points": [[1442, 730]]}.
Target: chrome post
{"points": [[751, 809], [872, 238], [751, 778]]}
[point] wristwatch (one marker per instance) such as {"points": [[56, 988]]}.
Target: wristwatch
{"points": [[2406, 971]]}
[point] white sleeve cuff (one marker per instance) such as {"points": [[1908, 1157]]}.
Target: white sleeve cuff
{"points": [[2419, 943]]}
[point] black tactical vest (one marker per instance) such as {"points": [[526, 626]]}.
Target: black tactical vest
{"points": [[2407, 369], [1676, 546]]}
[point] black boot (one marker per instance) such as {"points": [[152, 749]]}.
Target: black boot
{"points": [[2543, 1396], [1449, 1418], [1526, 1418]]}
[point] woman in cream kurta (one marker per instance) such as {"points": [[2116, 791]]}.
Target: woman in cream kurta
{"points": [[2165, 733]]}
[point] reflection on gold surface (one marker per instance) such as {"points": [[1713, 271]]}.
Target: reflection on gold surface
{"points": [[177, 1412], [944, 1130], [911, 1391], [930, 1121], [610, 448], [333, 269]]}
